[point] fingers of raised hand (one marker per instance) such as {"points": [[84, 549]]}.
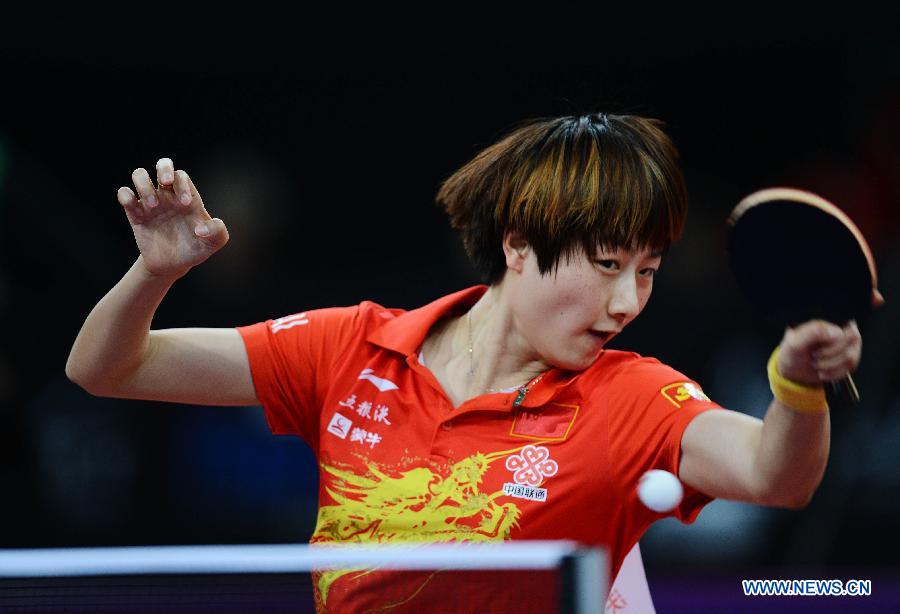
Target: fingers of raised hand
{"points": [[176, 183], [212, 231], [144, 188], [183, 187], [130, 202], [165, 173]]}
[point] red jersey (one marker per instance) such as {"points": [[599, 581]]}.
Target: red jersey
{"points": [[399, 463]]}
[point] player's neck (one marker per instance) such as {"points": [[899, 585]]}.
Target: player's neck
{"points": [[481, 352], [500, 355]]}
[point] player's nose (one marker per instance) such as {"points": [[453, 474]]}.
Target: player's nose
{"points": [[624, 303]]}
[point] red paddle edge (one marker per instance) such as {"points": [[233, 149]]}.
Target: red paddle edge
{"points": [[814, 200]]}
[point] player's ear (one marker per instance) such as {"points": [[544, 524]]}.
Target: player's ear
{"points": [[515, 250]]}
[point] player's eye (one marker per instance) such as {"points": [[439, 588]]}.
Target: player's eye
{"points": [[649, 272], [610, 265]]}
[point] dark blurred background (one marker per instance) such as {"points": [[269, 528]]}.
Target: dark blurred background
{"points": [[321, 139]]}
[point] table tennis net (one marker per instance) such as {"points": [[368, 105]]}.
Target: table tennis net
{"points": [[516, 576]]}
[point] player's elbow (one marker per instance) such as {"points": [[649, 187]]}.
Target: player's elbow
{"points": [[90, 380], [798, 502], [791, 501], [77, 374], [792, 496]]}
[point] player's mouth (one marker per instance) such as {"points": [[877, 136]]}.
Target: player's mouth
{"points": [[602, 335]]}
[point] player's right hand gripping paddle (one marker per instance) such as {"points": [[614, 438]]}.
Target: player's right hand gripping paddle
{"points": [[797, 257]]}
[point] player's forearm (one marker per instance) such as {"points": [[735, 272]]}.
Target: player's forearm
{"points": [[115, 338], [792, 454]]}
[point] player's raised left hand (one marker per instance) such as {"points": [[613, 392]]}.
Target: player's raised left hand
{"points": [[818, 351], [172, 228]]}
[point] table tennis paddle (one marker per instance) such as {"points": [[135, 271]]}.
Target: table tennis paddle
{"points": [[798, 257]]}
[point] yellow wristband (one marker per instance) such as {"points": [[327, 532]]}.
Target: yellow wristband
{"points": [[800, 398]]}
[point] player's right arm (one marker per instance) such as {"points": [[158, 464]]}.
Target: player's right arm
{"points": [[116, 354]]}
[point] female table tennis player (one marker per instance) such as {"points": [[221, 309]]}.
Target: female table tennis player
{"points": [[494, 413]]}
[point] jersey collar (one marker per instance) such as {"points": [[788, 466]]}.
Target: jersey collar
{"points": [[406, 332]]}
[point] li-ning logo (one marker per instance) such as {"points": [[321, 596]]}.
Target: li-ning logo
{"points": [[286, 322], [382, 384], [532, 465]]}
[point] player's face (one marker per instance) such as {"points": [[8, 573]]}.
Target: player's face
{"points": [[567, 316]]}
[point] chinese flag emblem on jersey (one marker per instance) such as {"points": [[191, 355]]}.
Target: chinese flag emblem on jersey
{"points": [[681, 392], [551, 422]]}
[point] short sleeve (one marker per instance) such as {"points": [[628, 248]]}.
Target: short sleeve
{"points": [[651, 405], [290, 361]]}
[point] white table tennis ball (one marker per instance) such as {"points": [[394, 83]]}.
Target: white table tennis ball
{"points": [[660, 490]]}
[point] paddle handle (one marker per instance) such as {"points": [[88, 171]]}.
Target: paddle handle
{"points": [[842, 393]]}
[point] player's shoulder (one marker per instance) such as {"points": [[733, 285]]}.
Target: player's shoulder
{"points": [[335, 322], [627, 379], [619, 364], [361, 317], [640, 378], [631, 372]]}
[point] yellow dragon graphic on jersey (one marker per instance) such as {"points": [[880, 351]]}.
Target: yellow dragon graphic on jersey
{"points": [[421, 504]]}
